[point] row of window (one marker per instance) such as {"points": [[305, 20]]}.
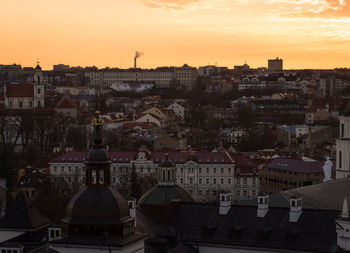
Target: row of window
{"points": [[207, 180]]}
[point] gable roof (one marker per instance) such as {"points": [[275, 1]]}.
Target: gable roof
{"points": [[23, 215], [20, 90], [66, 102]]}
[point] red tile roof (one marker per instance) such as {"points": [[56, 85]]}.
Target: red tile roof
{"points": [[157, 157], [20, 90]]}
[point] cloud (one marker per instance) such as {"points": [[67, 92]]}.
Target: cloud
{"points": [[170, 4], [331, 9]]}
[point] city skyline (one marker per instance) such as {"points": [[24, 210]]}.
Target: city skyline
{"points": [[304, 33]]}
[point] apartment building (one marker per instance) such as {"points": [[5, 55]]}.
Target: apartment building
{"points": [[203, 174], [286, 173], [166, 77]]}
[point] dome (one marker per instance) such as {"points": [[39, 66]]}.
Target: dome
{"points": [[167, 164], [97, 155], [161, 195], [97, 206], [38, 67]]}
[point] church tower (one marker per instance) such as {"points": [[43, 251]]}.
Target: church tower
{"points": [[98, 217], [39, 96], [343, 144]]}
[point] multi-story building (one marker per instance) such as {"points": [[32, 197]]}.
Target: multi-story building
{"points": [[251, 82], [177, 77], [26, 95], [275, 64], [286, 173], [343, 144], [297, 134], [246, 176], [203, 174], [330, 87]]}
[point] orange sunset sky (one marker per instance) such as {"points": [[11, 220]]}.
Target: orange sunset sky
{"points": [[305, 33]]}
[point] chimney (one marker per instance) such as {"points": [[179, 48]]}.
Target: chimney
{"points": [[295, 208], [225, 203], [132, 208], [263, 205], [135, 62]]}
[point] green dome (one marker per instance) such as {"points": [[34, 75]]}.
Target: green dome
{"points": [[161, 195]]}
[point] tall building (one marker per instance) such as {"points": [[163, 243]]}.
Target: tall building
{"points": [[343, 144], [275, 64]]}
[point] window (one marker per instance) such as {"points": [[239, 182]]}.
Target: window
{"points": [[182, 170], [214, 170], [31, 104], [55, 169], [340, 162], [222, 170], [229, 181], [342, 130], [181, 180], [207, 181], [114, 180], [221, 181], [254, 181], [207, 170], [69, 169], [39, 104], [228, 170], [244, 181], [20, 104], [238, 193], [214, 180], [200, 192], [200, 170], [200, 180]]}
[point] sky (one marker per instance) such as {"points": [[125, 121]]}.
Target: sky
{"points": [[304, 33]]}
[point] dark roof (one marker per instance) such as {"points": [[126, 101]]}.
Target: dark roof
{"points": [[165, 195], [20, 90], [66, 102], [97, 205], [202, 223], [325, 196], [23, 215], [296, 165]]}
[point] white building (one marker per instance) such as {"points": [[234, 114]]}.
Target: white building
{"points": [[203, 174], [179, 77], [343, 145], [178, 109]]}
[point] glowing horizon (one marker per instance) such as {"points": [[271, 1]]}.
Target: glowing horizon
{"points": [[304, 33]]}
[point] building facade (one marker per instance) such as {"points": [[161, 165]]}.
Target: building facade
{"points": [[204, 175], [181, 77], [285, 173], [26, 95], [275, 64], [343, 145]]}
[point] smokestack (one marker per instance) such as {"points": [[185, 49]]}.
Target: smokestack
{"points": [[137, 55]]}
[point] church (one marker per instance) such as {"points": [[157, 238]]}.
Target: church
{"points": [[166, 219], [26, 95]]}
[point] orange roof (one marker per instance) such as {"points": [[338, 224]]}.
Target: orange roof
{"points": [[20, 90]]}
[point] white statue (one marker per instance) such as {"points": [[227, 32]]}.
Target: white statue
{"points": [[327, 170]]}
